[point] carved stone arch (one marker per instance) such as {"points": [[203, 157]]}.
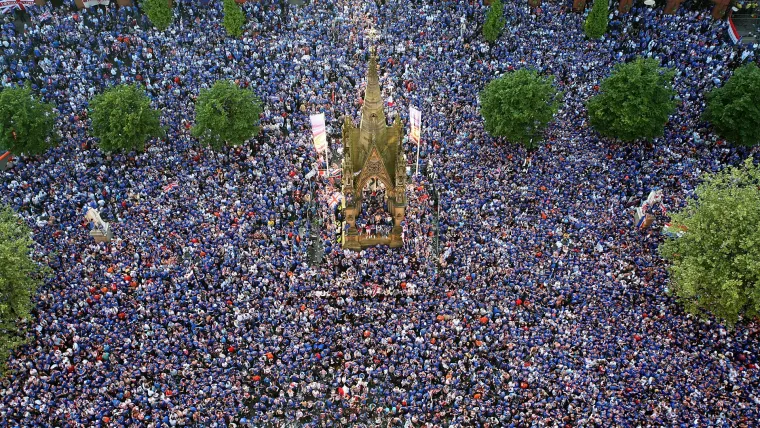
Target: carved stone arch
{"points": [[390, 190]]}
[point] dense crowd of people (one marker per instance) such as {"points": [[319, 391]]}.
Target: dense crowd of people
{"points": [[546, 307]]}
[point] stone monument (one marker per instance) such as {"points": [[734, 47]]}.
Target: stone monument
{"points": [[373, 150]]}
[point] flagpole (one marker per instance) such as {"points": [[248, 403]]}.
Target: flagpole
{"points": [[417, 172]]}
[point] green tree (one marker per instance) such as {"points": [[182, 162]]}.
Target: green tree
{"points": [[734, 109], [26, 124], [226, 113], [634, 102], [715, 265], [19, 278], [234, 19], [596, 21], [123, 119], [159, 12], [519, 105], [495, 21]]}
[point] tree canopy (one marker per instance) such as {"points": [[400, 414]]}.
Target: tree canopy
{"points": [[123, 119], [494, 23], [234, 19], [19, 278], [159, 12], [26, 124], [226, 113], [596, 21], [715, 265], [734, 108], [634, 102], [519, 105]]}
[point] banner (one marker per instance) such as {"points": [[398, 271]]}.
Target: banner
{"points": [[732, 31], [672, 231], [318, 132], [91, 3], [415, 117], [8, 5], [641, 219], [639, 216], [654, 197]]}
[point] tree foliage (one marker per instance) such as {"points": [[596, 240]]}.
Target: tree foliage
{"points": [[159, 12], [634, 102], [596, 21], [26, 124], [734, 109], [715, 265], [234, 19], [519, 105], [19, 278], [495, 21], [123, 119], [226, 113]]}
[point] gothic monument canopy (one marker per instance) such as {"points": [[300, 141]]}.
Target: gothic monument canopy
{"points": [[373, 150]]}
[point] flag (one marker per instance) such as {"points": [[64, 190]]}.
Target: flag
{"points": [[335, 199], [336, 173], [45, 16], [654, 197], [672, 231], [647, 221], [91, 3], [733, 33], [639, 216], [8, 5], [318, 132], [170, 186]]}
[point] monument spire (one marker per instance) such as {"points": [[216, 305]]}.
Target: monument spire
{"points": [[373, 100]]}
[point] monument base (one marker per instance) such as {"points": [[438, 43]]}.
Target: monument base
{"points": [[361, 242], [395, 236], [351, 240]]}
